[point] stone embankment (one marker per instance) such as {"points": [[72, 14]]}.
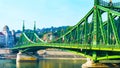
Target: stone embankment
{"points": [[41, 54], [6, 54], [57, 54], [5, 51]]}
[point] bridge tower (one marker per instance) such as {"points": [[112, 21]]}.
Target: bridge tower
{"points": [[96, 24], [98, 29]]}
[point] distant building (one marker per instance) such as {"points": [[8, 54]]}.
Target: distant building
{"points": [[48, 37], [2, 39], [18, 34], [6, 37]]}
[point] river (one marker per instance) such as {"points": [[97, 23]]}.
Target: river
{"points": [[70, 62], [44, 63]]}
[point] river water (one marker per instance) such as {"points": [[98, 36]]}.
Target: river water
{"points": [[45, 63]]}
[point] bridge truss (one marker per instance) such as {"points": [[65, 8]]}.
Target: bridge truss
{"points": [[96, 35]]}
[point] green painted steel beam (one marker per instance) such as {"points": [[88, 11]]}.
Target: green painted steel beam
{"points": [[112, 12], [77, 29], [88, 56], [101, 27], [28, 38], [38, 38], [24, 50], [73, 46], [109, 57], [105, 22], [114, 28], [79, 23], [96, 2], [108, 10], [108, 30], [118, 30], [86, 31], [95, 27]]}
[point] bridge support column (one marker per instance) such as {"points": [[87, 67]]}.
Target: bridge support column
{"points": [[18, 56], [96, 27], [91, 64], [96, 23], [94, 55], [21, 57]]}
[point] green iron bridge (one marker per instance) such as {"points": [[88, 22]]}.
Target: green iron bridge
{"points": [[98, 39]]}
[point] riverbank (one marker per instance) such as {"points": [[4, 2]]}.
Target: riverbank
{"points": [[43, 54], [58, 54], [55, 54], [6, 53], [8, 56]]}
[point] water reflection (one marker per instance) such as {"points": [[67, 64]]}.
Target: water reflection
{"points": [[48, 64], [51, 64], [42, 64], [60, 64], [56, 64], [7, 64], [26, 65]]}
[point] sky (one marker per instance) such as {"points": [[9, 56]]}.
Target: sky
{"points": [[46, 13]]}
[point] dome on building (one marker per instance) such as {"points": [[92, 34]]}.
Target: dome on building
{"points": [[5, 28]]}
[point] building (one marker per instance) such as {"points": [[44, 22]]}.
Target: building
{"points": [[6, 37], [48, 37], [2, 39]]}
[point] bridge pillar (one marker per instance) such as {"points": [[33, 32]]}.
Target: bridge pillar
{"points": [[96, 26], [18, 56], [91, 64], [21, 57]]}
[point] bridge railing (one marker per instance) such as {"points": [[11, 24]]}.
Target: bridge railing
{"points": [[72, 46]]}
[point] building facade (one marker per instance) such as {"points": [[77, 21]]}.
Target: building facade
{"points": [[2, 39], [6, 37]]}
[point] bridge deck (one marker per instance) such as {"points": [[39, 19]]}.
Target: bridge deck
{"points": [[73, 46]]}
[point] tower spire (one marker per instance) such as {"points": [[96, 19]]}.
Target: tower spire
{"points": [[34, 26], [23, 28]]}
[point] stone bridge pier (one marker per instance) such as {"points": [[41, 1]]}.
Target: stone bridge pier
{"points": [[23, 57]]}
